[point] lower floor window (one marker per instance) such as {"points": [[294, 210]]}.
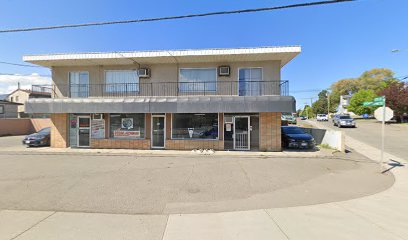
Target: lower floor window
{"points": [[195, 126], [127, 126]]}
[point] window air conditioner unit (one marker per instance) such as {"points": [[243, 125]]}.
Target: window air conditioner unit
{"points": [[143, 72], [224, 71]]}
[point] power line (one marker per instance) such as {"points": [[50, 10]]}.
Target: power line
{"points": [[20, 65], [306, 90], [307, 4]]}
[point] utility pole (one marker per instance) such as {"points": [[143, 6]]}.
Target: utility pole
{"points": [[311, 103], [307, 111], [328, 103]]}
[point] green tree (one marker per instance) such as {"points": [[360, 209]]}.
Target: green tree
{"points": [[320, 106], [307, 111], [342, 87], [375, 79], [357, 100]]}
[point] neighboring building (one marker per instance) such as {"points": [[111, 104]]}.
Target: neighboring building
{"points": [[344, 103], [8, 109], [223, 99], [22, 95]]}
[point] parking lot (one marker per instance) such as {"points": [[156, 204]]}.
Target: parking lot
{"points": [[178, 183]]}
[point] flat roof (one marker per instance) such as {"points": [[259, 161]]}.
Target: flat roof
{"points": [[281, 53]]}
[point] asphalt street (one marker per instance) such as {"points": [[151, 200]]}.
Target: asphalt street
{"points": [[369, 132]]}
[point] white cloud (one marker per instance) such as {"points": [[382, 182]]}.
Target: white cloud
{"points": [[8, 83]]}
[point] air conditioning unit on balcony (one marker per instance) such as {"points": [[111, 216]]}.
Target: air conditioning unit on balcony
{"points": [[224, 71], [143, 72]]}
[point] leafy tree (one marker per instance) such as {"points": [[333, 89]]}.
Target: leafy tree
{"points": [[396, 97], [375, 79], [320, 106], [342, 87], [307, 111], [357, 100]]}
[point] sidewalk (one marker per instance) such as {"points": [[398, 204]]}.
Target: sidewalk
{"points": [[379, 216], [75, 151]]}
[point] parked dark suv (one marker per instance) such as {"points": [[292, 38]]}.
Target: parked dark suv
{"points": [[41, 138], [295, 137]]}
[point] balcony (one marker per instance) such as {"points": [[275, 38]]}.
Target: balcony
{"points": [[169, 89]]}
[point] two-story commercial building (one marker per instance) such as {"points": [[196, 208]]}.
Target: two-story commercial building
{"points": [[223, 99]]}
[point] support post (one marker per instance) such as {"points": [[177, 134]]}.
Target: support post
{"points": [[383, 134]]}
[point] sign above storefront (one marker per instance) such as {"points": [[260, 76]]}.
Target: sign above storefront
{"points": [[124, 134]]}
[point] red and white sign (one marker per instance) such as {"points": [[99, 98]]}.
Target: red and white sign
{"points": [[126, 134]]}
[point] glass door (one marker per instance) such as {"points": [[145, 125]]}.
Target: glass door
{"points": [[249, 81], [84, 129], [158, 131], [79, 84], [241, 133]]}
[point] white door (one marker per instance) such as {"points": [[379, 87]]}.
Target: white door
{"points": [[84, 131], [242, 133]]}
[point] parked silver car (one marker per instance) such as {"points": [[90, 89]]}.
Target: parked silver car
{"points": [[344, 121]]}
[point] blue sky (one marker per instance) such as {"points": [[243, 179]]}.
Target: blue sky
{"points": [[338, 41]]}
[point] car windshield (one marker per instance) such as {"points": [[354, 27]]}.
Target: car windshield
{"points": [[345, 117], [44, 131], [293, 130]]}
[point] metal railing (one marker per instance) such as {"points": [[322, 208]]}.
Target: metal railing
{"points": [[41, 88], [218, 88]]}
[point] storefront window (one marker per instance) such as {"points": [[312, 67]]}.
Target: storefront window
{"points": [[195, 126], [127, 126]]}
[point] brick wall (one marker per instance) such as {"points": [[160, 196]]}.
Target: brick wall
{"points": [[120, 143], [194, 144], [59, 130], [270, 131]]}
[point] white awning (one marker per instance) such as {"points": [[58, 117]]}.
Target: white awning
{"points": [[282, 53]]}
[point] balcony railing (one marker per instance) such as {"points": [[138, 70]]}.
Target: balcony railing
{"points": [[41, 88], [219, 88]]}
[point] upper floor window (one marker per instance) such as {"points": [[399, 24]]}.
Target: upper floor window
{"points": [[250, 80], [121, 81], [17, 99], [198, 79], [79, 84]]}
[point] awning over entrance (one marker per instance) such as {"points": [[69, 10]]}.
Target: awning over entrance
{"points": [[190, 104]]}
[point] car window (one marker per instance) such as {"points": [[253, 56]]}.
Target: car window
{"points": [[345, 117], [44, 131], [293, 130]]}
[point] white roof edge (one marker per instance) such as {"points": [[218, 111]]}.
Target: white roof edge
{"points": [[163, 53]]}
